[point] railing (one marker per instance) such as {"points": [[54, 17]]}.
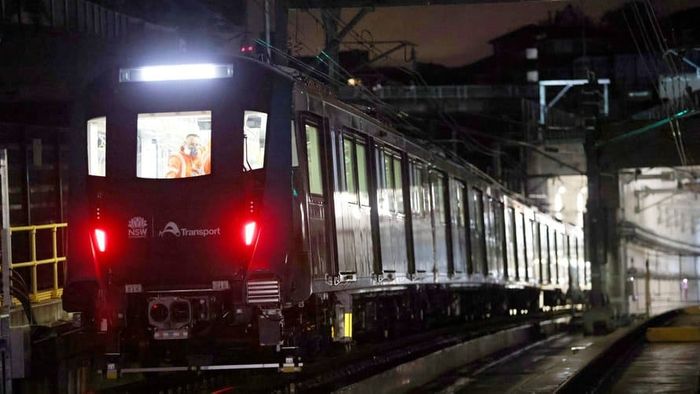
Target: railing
{"points": [[34, 263], [437, 92]]}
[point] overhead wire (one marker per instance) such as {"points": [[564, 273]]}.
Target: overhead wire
{"points": [[674, 67], [647, 40], [447, 119]]}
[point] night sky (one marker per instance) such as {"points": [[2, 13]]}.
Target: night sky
{"points": [[454, 34]]}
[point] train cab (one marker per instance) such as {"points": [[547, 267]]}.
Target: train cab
{"points": [[182, 208]]}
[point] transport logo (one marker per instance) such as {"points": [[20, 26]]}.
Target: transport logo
{"points": [[170, 228], [173, 229], [138, 227]]}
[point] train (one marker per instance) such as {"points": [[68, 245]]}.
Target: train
{"points": [[234, 202]]}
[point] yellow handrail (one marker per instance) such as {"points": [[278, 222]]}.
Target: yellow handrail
{"points": [[55, 292]]}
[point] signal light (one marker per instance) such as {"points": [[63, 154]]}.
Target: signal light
{"points": [[249, 233], [101, 240]]}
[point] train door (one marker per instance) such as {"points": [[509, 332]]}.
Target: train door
{"points": [[353, 223], [531, 272], [536, 251], [392, 227], [476, 231], [458, 225], [553, 257], [563, 261], [581, 263], [520, 246], [544, 253], [494, 242], [500, 256], [320, 227], [573, 266], [440, 231], [421, 218], [511, 251]]}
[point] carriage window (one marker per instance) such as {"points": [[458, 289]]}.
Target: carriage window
{"points": [[389, 185], [398, 185], [476, 229], [295, 153], [254, 133], [173, 145], [362, 173], [313, 156], [439, 198], [546, 258], [511, 248], [97, 146], [349, 166], [417, 196]]}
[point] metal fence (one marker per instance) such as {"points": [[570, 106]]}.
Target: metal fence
{"points": [[34, 263]]}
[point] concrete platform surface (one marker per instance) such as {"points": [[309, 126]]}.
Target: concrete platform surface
{"points": [[540, 368], [665, 367]]}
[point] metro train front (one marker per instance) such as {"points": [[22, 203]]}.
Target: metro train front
{"points": [[181, 204]]}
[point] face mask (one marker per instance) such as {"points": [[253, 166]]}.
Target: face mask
{"points": [[192, 150]]}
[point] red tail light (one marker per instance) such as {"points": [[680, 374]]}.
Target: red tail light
{"points": [[249, 233], [101, 239]]}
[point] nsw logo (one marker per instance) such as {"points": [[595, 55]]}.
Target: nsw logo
{"points": [[138, 227]]}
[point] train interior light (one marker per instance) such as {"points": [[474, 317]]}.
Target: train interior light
{"points": [[178, 72]]}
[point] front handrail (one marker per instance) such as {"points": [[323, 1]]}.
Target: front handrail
{"points": [[34, 263]]}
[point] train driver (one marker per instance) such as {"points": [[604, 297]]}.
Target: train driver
{"points": [[188, 161]]}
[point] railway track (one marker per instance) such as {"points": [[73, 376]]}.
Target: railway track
{"points": [[342, 366]]}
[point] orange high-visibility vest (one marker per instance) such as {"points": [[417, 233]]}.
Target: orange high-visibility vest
{"points": [[183, 166]]}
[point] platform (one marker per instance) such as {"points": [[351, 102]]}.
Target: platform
{"points": [[47, 313], [671, 363], [542, 367]]}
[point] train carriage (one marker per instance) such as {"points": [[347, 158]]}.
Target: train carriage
{"points": [[239, 202]]}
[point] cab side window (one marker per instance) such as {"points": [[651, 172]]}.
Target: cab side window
{"points": [[313, 153], [254, 135], [97, 146]]}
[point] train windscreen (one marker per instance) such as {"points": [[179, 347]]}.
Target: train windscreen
{"points": [[173, 145]]}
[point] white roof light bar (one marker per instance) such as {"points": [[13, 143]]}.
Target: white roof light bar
{"points": [[179, 72]]}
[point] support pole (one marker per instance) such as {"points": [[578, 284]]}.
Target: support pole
{"points": [[279, 35], [594, 219], [267, 29], [330, 17], [6, 260], [647, 289]]}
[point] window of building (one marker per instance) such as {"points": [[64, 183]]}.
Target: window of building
{"points": [[313, 152], [97, 146], [254, 133], [173, 144]]}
